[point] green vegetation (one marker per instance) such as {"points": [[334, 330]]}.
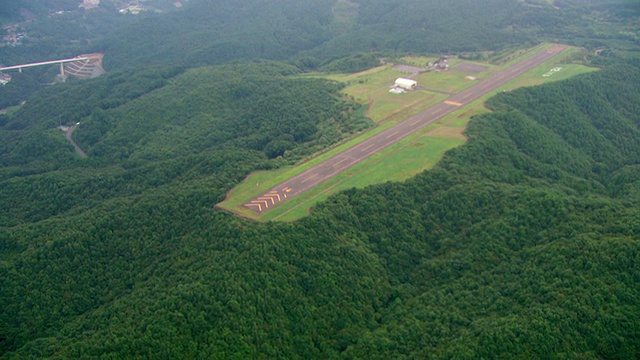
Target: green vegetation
{"points": [[149, 130], [315, 31], [345, 14], [314, 34], [530, 228], [398, 163], [351, 64], [521, 243]]}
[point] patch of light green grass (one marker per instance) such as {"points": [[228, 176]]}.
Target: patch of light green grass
{"points": [[397, 163], [448, 81], [12, 109]]}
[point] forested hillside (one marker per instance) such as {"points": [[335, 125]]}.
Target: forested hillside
{"points": [[310, 34], [143, 129], [212, 32], [523, 243]]}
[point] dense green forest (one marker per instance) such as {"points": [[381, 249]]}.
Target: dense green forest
{"points": [[522, 243], [214, 31], [222, 30], [143, 129]]}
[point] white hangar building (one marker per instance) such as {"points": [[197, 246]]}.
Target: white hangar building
{"points": [[406, 84]]}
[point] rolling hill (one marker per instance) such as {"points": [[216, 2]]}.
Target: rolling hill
{"points": [[521, 243]]}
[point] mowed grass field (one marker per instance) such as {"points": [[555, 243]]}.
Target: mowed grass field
{"points": [[396, 163], [372, 87], [416, 153]]}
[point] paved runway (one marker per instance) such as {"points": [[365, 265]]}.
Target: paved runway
{"points": [[357, 153]]}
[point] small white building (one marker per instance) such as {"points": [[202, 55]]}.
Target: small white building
{"points": [[406, 84]]}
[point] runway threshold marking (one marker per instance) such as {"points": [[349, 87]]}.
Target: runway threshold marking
{"points": [[273, 202], [454, 103], [265, 202]]}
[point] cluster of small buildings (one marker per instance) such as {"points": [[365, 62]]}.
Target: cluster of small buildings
{"points": [[90, 4], [12, 37], [4, 78], [439, 65], [134, 9]]}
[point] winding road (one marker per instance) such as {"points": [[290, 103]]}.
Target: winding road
{"points": [[325, 170], [68, 133]]}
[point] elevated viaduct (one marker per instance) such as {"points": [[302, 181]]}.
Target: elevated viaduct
{"points": [[82, 66]]}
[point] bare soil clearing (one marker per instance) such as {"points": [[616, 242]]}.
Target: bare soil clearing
{"points": [[471, 68]]}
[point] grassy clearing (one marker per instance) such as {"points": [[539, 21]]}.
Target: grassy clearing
{"points": [[259, 182], [536, 76], [12, 109], [399, 162], [394, 108], [447, 81], [510, 60], [373, 88], [407, 158]]}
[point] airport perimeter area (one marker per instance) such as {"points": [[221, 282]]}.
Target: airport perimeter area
{"points": [[410, 137]]}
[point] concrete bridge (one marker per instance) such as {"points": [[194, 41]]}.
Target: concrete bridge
{"points": [[82, 66]]}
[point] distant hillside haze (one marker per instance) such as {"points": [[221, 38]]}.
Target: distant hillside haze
{"points": [[21, 10], [311, 34], [215, 31], [209, 32], [212, 32]]}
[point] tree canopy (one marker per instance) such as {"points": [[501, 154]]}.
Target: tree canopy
{"points": [[521, 243]]}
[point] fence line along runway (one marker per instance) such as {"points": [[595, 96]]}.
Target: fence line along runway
{"points": [[335, 165]]}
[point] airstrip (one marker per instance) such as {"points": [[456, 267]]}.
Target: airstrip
{"points": [[322, 172]]}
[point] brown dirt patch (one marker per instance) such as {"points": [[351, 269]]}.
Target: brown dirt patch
{"points": [[471, 68], [413, 70]]}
